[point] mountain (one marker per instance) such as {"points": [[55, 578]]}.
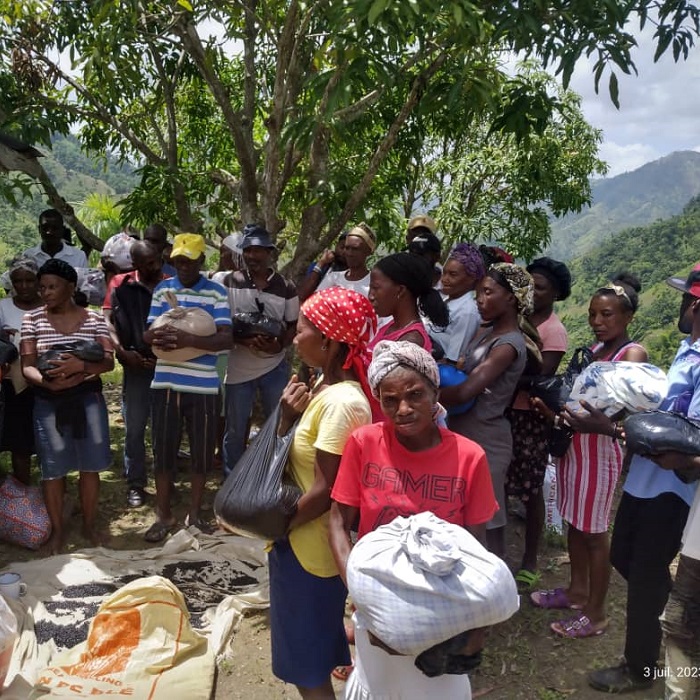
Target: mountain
{"points": [[75, 175], [655, 191], [653, 253]]}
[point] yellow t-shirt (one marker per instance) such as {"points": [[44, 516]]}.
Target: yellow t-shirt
{"points": [[325, 425]]}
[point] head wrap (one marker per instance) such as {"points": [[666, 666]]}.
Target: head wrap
{"points": [[556, 272], [348, 317], [389, 355], [24, 262], [59, 268], [517, 281], [363, 231], [117, 251], [469, 257], [412, 271], [493, 254]]}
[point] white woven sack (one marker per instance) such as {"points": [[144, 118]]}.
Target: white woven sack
{"points": [[191, 319], [419, 581], [615, 386]]}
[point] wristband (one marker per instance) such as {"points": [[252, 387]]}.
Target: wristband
{"points": [[317, 269]]}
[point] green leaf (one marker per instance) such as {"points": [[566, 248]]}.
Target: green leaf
{"points": [[614, 90], [378, 6], [186, 4]]}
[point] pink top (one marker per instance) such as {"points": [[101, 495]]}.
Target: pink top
{"points": [[554, 339], [384, 334]]}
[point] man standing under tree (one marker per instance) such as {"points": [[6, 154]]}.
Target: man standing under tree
{"points": [[126, 307], [185, 391], [256, 363], [52, 244]]}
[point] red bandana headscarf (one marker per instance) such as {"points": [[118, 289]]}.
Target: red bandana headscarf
{"points": [[348, 317]]}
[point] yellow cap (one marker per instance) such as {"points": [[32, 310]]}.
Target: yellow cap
{"points": [[188, 245]]}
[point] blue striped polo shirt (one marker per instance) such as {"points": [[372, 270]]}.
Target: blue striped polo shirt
{"points": [[198, 376]]}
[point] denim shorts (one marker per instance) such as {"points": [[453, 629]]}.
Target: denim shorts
{"points": [[62, 453]]}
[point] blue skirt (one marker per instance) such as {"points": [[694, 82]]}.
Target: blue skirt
{"points": [[306, 621], [60, 452]]}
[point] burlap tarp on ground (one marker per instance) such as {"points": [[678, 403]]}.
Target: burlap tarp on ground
{"points": [[219, 577]]}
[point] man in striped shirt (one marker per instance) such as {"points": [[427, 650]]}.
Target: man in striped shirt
{"points": [[185, 391]]}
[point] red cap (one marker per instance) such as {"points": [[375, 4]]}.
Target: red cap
{"points": [[690, 285]]}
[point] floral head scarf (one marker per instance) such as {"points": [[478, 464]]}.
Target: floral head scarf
{"points": [[518, 281]]}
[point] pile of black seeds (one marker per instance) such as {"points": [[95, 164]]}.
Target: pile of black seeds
{"points": [[203, 584]]}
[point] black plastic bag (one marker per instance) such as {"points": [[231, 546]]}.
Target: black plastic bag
{"points": [[655, 432], [245, 324], [555, 391], [86, 350], [446, 657], [254, 500], [8, 352]]}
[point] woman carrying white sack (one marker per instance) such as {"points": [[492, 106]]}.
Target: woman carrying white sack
{"points": [[423, 589]]}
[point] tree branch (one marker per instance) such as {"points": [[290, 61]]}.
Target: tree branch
{"points": [[187, 32], [385, 146]]}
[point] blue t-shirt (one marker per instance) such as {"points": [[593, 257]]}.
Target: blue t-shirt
{"points": [[198, 376], [646, 479]]}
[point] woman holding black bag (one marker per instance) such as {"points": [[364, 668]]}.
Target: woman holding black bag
{"points": [[307, 596], [589, 471], [530, 430], [70, 415]]}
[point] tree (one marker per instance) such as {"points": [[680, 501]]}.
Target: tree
{"points": [[316, 115]]}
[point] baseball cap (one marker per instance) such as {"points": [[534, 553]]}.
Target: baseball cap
{"points": [[691, 285], [423, 220], [188, 245]]}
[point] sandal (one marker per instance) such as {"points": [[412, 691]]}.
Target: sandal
{"points": [[158, 531], [342, 673], [527, 579], [202, 525], [578, 627], [555, 598]]}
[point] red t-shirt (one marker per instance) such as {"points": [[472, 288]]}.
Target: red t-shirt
{"points": [[384, 480]]}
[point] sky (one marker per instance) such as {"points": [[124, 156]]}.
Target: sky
{"points": [[659, 108]]}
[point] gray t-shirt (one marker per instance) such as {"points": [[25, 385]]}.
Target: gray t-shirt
{"points": [[485, 422]]}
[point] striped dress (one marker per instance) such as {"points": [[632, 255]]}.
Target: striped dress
{"points": [[588, 473]]}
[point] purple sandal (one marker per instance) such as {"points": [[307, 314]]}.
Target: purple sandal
{"points": [[579, 627], [553, 599]]}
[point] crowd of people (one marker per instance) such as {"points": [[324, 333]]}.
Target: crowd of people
{"points": [[357, 356]]}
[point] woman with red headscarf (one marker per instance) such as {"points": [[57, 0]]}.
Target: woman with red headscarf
{"points": [[307, 596]]}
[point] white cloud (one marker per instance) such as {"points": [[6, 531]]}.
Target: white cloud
{"points": [[623, 159], [658, 112]]}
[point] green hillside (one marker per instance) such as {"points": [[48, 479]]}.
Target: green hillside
{"points": [[75, 176], [653, 253], [653, 192]]}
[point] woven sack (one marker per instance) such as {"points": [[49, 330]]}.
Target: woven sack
{"points": [[25, 520], [190, 319]]}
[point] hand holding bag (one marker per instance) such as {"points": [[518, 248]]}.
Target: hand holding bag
{"points": [[254, 500], [555, 390]]}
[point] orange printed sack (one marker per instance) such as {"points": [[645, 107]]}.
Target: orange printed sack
{"points": [[140, 645]]}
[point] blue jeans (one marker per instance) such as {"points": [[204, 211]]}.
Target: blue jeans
{"points": [[136, 409], [239, 407]]}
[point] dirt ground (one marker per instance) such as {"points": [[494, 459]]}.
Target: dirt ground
{"points": [[523, 659]]}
